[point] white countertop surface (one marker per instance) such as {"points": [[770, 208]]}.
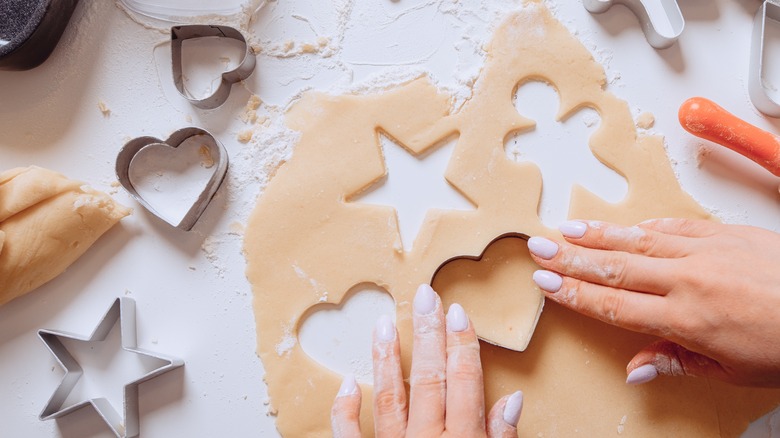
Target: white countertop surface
{"points": [[192, 298]]}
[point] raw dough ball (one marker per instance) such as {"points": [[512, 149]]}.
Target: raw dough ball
{"points": [[47, 221]]}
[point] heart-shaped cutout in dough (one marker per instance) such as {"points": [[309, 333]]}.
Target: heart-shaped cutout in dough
{"points": [[180, 174], [501, 316], [338, 336]]}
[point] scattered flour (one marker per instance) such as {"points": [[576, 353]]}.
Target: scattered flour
{"points": [[287, 343], [83, 200], [362, 369], [702, 153], [255, 164], [318, 289], [590, 119], [622, 425], [210, 248], [737, 214]]}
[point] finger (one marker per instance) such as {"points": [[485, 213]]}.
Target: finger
{"points": [[667, 358], [389, 392], [429, 363], [503, 418], [635, 311], [345, 414], [465, 388], [635, 240], [609, 268], [682, 227]]}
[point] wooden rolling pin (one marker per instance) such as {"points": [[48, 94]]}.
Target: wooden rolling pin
{"points": [[704, 118]]}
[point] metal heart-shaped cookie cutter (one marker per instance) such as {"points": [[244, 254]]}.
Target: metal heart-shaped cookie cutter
{"points": [[243, 71], [217, 151], [478, 258]]}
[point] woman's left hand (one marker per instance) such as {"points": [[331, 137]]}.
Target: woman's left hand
{"points": [[447, 390]]}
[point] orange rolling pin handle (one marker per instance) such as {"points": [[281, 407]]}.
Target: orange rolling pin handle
{"points": [[704, 118]]}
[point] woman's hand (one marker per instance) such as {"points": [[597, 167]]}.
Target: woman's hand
{"points": [[447, 393], [712, 291]]}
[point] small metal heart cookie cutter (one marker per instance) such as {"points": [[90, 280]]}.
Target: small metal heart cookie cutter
{"points": [[477, 258], [216, 150], [243, 71], [127, 424], [757, 85], [661, 20]]}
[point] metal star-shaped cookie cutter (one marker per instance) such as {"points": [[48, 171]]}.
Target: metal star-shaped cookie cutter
{"points": [[661, 20], [243, 71], [123, 426]]}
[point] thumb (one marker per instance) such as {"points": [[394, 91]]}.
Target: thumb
{"points": [[670, 359], [503, 418]]}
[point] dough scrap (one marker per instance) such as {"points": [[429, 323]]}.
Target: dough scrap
{"points": [[47, 221], [645, 120], [573, 370]]}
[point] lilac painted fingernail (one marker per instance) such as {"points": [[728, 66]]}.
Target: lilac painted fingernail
{"points": [[548, 281], [542, 247], [385, 329], [641, 375], [457, 321], [424, 300], [573, 229], [513, 408], [348, 386]]}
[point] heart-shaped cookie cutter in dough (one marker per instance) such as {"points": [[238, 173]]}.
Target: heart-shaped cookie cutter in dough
{"points": [[478, 258], [130, 150], [661, 20], [241, 72]]}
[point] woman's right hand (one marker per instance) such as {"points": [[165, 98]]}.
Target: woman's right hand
{"points": [[711, 290]]}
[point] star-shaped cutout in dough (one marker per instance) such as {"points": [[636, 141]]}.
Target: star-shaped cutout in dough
{"points": [[127, 424], [413, 185]]}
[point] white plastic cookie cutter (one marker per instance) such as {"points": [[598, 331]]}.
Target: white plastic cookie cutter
{"points": [[758, 87], [661, 20]]}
